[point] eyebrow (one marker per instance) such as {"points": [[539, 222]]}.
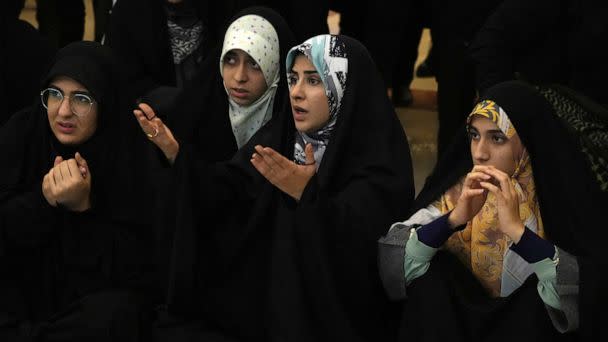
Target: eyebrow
{"points": [[489, 131], [308, 72]]}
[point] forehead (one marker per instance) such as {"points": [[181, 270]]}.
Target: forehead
{"points": [[66, 83], [481, 123], [239, 53], [302, 63]]}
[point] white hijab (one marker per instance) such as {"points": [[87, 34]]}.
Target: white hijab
{"points": [[256, 36]]}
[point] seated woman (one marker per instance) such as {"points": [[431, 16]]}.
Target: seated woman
{"points": [[229, 106], [505, 242], [77, 248], [300, 207]]}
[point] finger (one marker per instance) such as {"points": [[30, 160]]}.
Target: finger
{"points": [[66, 173], [310, 154], [53, 182], [502, 178], [262, 167], [74, 169], [82, 164], [58, 161], [277, 160], [148, 111], [143, 121], [492, 188], [473, 192]]}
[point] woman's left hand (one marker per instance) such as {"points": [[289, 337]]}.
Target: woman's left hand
{"points": [[283, 173], [507, 203]]}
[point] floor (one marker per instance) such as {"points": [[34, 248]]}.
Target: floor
{"points": [[419, 120]]}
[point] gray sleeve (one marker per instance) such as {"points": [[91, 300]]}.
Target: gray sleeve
{"points": [[391, 253], [566, 319]]}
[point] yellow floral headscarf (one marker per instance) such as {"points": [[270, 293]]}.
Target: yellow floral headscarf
{"points": [[481, 246]]}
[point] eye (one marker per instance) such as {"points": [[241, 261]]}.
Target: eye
{"points": [[473, 135], [254, 64], [292, 80], [314, 81], [55, 93], [229, 59], [499, 138], [82, 99]]}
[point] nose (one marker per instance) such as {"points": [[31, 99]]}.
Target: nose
{"points": [[480, 152], [295, 91], [240, 74], [64, 108]]}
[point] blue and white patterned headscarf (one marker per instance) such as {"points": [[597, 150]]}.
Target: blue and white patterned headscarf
{"points": [[327, 53]]}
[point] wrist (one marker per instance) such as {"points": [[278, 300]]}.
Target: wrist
{"points": [[454, 221], [515, 231]]}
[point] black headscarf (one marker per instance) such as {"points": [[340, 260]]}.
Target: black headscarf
{"points": [[570, 198], [307, 270]]}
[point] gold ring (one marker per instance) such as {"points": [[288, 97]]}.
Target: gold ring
{"points": [[152, 135]]}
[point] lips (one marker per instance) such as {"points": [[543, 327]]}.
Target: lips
{"points": [[66, 127], [299, 113], [239, 93]]}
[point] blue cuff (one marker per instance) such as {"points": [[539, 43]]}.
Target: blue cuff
{"points": [[533, 248], [436, 233]]}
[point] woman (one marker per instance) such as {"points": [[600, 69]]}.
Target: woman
{"points": [[523, 222], [301, 206], [79, 249], [230, 106]]}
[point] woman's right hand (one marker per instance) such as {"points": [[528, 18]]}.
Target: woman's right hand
{"points": [[472, 197], [157, 131]]}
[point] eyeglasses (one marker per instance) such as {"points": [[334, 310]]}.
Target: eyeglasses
{"points": [[80, 104]]}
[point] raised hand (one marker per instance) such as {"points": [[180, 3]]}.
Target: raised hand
{"points": [[507, 201], [68, 183], [472, 197], [157, 131], [283, 173]]}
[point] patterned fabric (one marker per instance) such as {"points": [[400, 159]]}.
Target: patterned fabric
{"points": [[327, 53], [184, 40], [489, 109], [258, 38], [592, 133], [481, 246]]}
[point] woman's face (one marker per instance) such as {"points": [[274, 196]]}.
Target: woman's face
{"points": [[490, 146], [309, 103], [243, 77], [69, 119]]}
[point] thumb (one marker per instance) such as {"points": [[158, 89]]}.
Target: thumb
{"points": [[82, 164], [58, 161], [310, 154]]}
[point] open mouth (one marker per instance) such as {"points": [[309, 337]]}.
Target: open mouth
{"points": [[299, 113]]}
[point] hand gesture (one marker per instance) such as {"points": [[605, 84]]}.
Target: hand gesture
{"points": [[283, 173], [157, 131], [68, 183], [507, 202], [472, 197]]}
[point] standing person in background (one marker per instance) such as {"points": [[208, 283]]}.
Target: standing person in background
{"points": [[164, 43], [61, 21], [24, 57], [545, 42]]}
